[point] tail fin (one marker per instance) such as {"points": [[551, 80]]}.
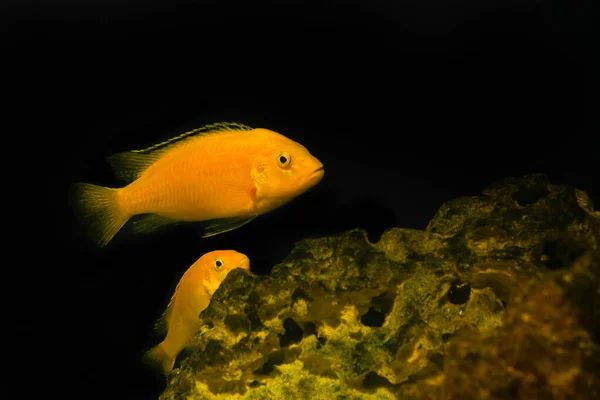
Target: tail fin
{"points": [[158, 357], [98, 207]]}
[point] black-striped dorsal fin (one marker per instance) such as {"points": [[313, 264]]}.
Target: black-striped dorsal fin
{"points": [[204, 130], [161, 326], [129, 166]]}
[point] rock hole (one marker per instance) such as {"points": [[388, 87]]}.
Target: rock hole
{"points": [[300, 294], [310, 329], [361, 257], [558, 254], [373, 318], [459, 292], [183, 354], [447, 336], [374, 235], [384, 302], [437, 359], [215, 353], [237, 323], [530, 195], [253, 298], [275, 358], [575, 254], [293, 333], [550, 255], [254, 318], [374, 380]]}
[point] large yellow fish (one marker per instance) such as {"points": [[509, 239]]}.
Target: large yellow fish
{"points": [[225, 174], [192, 295]]}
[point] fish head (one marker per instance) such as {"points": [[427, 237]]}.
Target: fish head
{"points": [[284, 169], [218, 263]]}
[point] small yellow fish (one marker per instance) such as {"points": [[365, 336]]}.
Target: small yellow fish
{"points": [[192, 295], [225, 174]]}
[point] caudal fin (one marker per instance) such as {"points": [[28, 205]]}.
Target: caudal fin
{"points": [[159, 358], [98, 208]]}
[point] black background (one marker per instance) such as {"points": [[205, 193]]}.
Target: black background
{"points": [[408, 104]]}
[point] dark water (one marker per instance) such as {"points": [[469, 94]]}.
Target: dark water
{"points": [[407, 105]]}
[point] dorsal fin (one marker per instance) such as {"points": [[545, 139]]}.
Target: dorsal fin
{"points": [[128, 166], [162, 324], [217, 127]]}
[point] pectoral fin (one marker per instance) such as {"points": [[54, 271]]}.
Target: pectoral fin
{"points": [[152, 222], [216, 226]]}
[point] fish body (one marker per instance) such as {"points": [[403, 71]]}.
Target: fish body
{"points": [[192, 295], [223, 174]]}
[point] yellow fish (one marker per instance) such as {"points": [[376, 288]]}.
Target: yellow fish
{"points": [[225, 174], [192, 295]]}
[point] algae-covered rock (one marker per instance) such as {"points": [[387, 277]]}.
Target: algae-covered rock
{"points": [[498, 298]]}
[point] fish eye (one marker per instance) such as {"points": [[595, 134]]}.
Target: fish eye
{"points": [[218, 263], [284, 159]]}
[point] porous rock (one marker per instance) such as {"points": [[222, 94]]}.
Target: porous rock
{"points": [[498, 298]]}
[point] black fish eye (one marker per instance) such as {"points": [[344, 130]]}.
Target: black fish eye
{"points": [[218, 263], [284, 159]]}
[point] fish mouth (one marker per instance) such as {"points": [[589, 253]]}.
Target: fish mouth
{"points": [[244, 263], [316, 175]]}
